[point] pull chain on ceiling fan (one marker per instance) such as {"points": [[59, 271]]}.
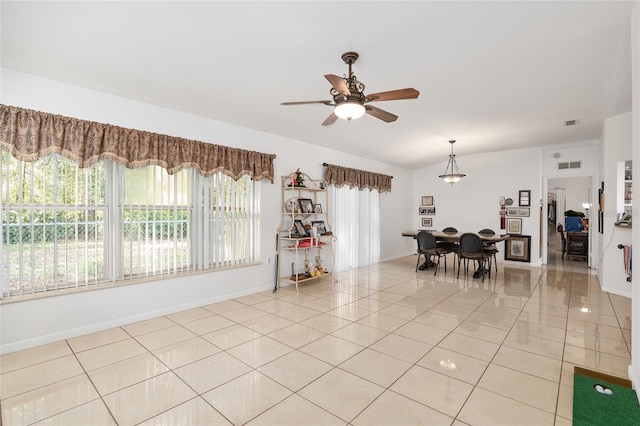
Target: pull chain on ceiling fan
{"points": [[349, 100]]}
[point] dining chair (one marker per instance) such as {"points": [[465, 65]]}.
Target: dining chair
{"points": [[490, 246], [563, 240], [427, 247], [472, 248], [450, 247]]}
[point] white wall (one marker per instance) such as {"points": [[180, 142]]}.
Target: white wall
{"points": [[578, 191], [585, 151], [615, 147], [474, 203], [634, 368], [39, 321]]}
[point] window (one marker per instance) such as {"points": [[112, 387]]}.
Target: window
{"points": [[356, 222], [156, 212], [53, 225], [231, 218], [67, 227]]}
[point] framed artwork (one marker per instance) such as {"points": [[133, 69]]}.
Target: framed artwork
{"points": [[524, 198], [429, 210], [518, 211], [298, 227], [320, 226], [518, 248], [514, 226], [427, 222], [317, 208], [427, 200], [306, 205]]}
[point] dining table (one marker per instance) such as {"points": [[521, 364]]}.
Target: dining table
{"points": [[455, 238]]}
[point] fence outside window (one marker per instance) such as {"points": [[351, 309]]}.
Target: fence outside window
{"points": [[65, 227]]}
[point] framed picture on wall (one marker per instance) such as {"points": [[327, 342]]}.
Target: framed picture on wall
{"points": [[427, 222], [518, 211], [518, 248], [514, 226], [524, 198], [427, 200]]}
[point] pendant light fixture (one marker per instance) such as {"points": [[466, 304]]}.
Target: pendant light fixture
{"points": [[452, 174]]}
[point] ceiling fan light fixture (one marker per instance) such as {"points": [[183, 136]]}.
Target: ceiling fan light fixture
{"points": [[349, 99], [452, 173], [349, 110]]}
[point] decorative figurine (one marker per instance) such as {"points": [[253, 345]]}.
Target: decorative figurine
{"points": [[307, 265], [319, 264], [298, 179]]}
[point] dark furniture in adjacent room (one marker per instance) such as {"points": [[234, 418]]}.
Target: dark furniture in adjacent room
{"points": [[577, 245]]}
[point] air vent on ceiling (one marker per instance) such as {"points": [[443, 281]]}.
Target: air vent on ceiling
{"points": [[570, 165], [571, 122]]}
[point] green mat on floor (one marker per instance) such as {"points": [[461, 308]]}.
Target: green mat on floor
{"points": [[600, 399]]}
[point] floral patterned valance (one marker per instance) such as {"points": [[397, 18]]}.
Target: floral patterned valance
{"points": [[29, 135], [339, 176]]}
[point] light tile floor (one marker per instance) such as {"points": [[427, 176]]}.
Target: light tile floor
{"points": [[381, 345]]}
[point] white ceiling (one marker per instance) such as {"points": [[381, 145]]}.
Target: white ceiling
{"points": [[491, 75]]}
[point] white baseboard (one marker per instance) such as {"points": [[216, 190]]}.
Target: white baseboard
{"points": [[92, 328]]}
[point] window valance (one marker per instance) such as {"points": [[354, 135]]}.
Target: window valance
{"points": [[29, 135], [339, 176]]}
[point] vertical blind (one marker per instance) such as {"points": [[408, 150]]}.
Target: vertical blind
{"points": [[356, 223], [53, 225], [356, 214]]}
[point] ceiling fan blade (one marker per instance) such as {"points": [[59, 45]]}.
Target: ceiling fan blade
{"points": [[330, 120], [338, 83], [391, 95], [381, 114], [307, 102]]}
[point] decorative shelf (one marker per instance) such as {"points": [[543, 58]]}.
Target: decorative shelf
{"points": [[304, 211]]}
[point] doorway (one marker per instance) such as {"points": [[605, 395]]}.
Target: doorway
{"points": [[563, 195], [555, 207]]}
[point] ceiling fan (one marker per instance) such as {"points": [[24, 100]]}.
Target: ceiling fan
{"points": [[349, 99]]}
